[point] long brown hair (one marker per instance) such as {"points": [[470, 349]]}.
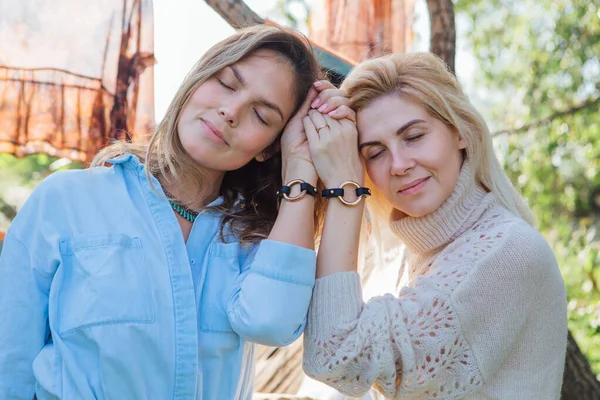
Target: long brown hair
{"points": [[249, 200]]}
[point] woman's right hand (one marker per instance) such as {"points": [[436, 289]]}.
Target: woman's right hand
{"points": [[333, 146], [332, 101]]}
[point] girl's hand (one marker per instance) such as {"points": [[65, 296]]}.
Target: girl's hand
{"points": [[332, 101], [334, 148], [295, 153], [293, 138]]}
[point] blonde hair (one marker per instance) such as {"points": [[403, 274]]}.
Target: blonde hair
{"points": [[249, 197], [425, 79]]}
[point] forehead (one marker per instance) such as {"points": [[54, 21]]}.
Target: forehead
{"points": [[270, 76], [384, 115]]}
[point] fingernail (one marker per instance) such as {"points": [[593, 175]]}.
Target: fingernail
{"points": [[334, 112], [323, 108], [318, 83], [316, 103]]}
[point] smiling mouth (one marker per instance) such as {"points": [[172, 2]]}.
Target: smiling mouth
{"points": [[414, 186], [214, 134]]}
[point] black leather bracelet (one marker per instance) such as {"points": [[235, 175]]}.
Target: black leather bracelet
{"points": [[328, 193], [310, 189], [305, 188], [361, 192]]}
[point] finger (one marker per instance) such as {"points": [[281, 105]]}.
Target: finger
{"points": [[343, 112], [310, 97], [311, 132], [323, 84], [326, 95], [318, 121], [350, 127], [335, 128], [333, 103]]}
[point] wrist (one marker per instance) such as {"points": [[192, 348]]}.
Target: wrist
{"points": [[299, 169], [336, 181]]}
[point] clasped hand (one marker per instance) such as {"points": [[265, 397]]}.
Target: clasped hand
{"points": [[323, 132]]}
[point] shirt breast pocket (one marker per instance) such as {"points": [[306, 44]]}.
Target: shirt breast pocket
{"points": [[102, 281]]}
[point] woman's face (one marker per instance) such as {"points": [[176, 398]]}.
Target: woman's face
{"points": [[413, 159], [237, 113]]}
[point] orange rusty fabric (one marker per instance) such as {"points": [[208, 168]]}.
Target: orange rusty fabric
{"points": [[360, 29], [74, 74]]}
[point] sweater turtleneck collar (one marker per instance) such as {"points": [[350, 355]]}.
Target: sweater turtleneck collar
{"points": [[459, 212]]}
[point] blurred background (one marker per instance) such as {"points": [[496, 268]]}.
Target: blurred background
{"points": [[74, 75]]}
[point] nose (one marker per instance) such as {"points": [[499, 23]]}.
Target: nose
{"points": [[402, 162], [230, 113]]}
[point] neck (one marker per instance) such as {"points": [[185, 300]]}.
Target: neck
{"points": [[431, 233], [186, 195]]}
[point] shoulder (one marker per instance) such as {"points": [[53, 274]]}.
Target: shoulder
{"points": [[61, 191], [500, 244], [503, 244], [68, 182], [508, 237]]}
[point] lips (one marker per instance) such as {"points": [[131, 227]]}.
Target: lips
{"points": [[214, 131], [411, 185]]}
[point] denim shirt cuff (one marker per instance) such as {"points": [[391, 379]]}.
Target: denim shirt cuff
{"points": [[285, 262]]}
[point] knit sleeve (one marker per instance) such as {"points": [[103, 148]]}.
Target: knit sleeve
{"points": [[406, 346]]}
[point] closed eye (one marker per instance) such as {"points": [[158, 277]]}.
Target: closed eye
{"points": [[224, 85], [260, 118], [374, 155], [414, 138]]}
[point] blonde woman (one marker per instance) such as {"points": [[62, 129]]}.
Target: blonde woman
{"points": [[482, 312], [152, 277]]}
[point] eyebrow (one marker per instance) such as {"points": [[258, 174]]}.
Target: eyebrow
{"points": [[262, 101], [399, 132]]}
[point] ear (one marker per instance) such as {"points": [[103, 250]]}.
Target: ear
{"points": [[268, 152], [462, 142]]}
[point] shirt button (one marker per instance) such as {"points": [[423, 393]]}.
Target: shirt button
{"points": [[192, 261]]}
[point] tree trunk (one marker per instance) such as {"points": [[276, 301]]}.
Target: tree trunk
{"points": [[579, 381], [443, 32], [235, 12]]}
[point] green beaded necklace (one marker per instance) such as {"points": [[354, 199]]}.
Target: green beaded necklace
{"points": [[185, 212]]}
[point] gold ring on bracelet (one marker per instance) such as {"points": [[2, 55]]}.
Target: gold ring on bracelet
{"points": [[297, 197], [346, 202]]}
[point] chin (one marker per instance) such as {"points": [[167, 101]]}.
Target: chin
{"points": [[416, 212]]}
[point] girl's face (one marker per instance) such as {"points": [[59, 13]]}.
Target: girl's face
{"points": [[237, 113], [413, 159]]}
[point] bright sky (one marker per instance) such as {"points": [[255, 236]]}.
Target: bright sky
{"points": [[185, 29]]}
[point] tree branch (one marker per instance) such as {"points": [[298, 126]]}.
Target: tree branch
{"points": [[235, 12], [549, 118], [9, 211]]}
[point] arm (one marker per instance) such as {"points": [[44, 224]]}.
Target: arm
{"points": [[272, 295], [391, 344], [23, 312], [433, 338]]}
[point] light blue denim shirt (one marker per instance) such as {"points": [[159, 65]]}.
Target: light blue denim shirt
{"points": [[101, 298]]}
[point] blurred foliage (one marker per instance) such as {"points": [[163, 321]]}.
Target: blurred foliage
{"points": [[539, 62], [18, 177], [293, 12]]}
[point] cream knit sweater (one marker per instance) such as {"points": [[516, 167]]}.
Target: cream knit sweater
{"points": [[483, 316]]}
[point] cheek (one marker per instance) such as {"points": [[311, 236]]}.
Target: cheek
{"points": [[378, 175], [256, 140]]}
